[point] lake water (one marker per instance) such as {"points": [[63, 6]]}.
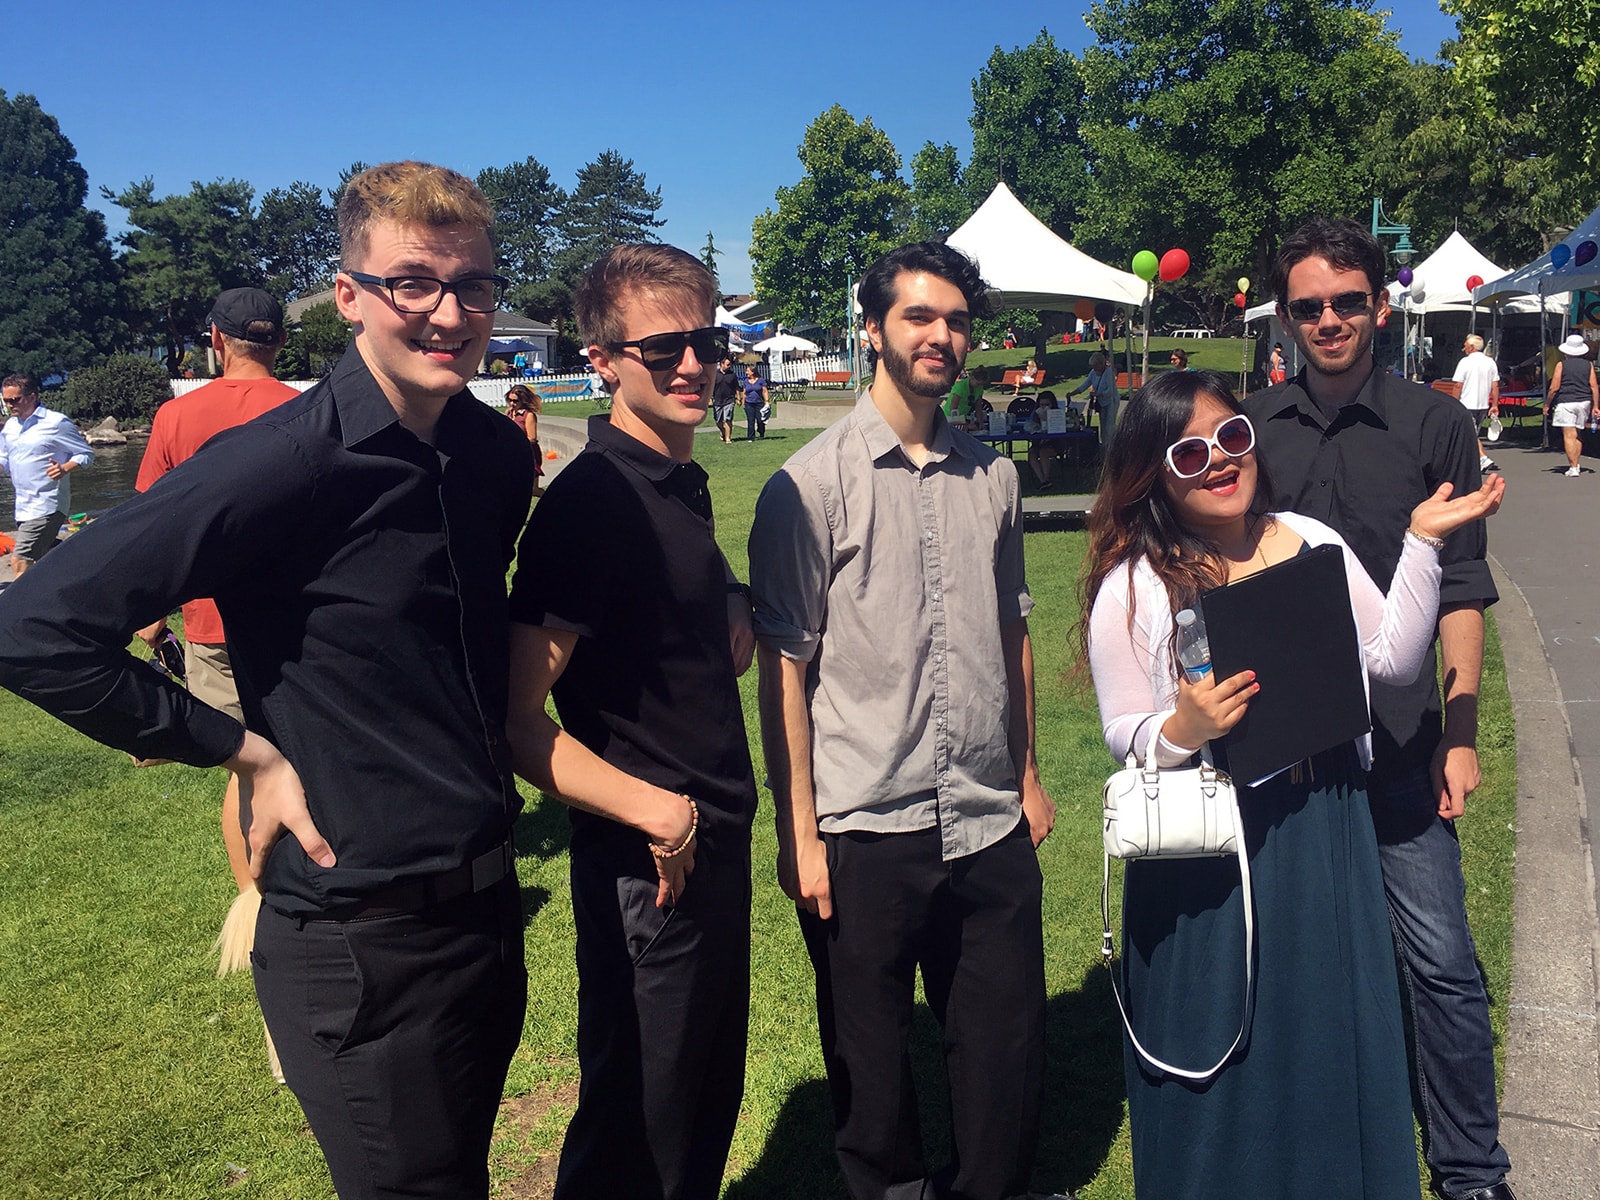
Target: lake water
{"points": [[95, 488]]}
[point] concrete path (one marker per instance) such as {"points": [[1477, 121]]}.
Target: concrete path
{"points": [[1545, 550]]}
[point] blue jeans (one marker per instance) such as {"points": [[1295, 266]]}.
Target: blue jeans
{"points": [[1452, 1047]]}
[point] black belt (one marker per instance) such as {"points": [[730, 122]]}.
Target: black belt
{"points": [[418, 895]]}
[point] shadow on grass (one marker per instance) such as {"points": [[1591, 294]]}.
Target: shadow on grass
{"points": [[542, 832], [1083, 1105]]}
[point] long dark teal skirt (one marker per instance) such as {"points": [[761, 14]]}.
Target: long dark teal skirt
{"points": [[1316, 1102]]}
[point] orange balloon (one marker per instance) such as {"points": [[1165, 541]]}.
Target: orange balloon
{"points": [[1084, 310]]}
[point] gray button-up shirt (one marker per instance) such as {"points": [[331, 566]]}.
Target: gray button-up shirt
{"points": [[893, 583]]}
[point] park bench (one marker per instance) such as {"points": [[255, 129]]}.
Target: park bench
{"points": [[1127, 382], [839, 379], [1013, 379]]}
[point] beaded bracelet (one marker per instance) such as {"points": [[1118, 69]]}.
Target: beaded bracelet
{"points": [[694, 824], [1436, 543]]}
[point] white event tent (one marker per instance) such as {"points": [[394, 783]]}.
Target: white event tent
{"points": [[1441, 278], [1032, 267]]}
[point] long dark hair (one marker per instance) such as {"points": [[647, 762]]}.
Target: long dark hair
{"points": [[1133, 517]]}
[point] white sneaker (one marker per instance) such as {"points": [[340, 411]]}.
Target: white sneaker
{"points": [[1573, 472], [1485, 463]]}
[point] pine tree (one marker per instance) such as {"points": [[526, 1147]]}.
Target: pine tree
{"points": [[60, 307]]}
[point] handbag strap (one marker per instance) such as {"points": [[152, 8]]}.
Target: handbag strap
{"points": [[1107, 954]]}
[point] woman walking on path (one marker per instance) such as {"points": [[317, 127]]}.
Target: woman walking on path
{"points": [[1574, 398], [755, 403]]}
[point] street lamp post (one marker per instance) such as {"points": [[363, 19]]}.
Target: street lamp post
{"points": [[1383, 226]]}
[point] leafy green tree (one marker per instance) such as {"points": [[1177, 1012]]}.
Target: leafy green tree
{"points": [[526, 204], [1539, 59], [315, 344], [847, 210], [708, 255], [299, 240], [1025, 129], [181, 251], [59, 306], [128, 387], [1441, 163], [939, 201], [1219, 127]]}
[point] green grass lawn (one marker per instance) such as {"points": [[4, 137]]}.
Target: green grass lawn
{"points": [[128, 1070]]}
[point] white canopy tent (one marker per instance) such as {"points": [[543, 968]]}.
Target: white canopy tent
{"points": [[785, 343], [1441, 278], [1030, 266]]}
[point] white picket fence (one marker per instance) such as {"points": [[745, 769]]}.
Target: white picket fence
{"points": [[807, 368]]}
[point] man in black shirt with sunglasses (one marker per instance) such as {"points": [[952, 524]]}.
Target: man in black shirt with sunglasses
{"points": [[1353, 446], [624, 611]]}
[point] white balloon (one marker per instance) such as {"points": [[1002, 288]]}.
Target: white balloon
{"points": [[1418, 293]]}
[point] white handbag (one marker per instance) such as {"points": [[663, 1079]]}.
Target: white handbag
{"points": [[1185, 812]]}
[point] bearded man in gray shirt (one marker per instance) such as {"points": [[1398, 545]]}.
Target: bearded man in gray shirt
{"points": [[897, 718]]}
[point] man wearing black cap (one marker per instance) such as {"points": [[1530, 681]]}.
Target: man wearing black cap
{"points": [[246, 334]]}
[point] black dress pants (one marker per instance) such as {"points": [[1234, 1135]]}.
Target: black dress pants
{"points": [[395, 1033], [975, 928], [663, 1019]]}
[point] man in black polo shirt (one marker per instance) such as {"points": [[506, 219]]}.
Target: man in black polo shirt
{"points": [[356, 540], [623, 609], [1358, 449]]}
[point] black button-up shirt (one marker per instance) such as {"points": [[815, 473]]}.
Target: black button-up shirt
{"points": [[361, 576], [621, 551], [1362, 473]]}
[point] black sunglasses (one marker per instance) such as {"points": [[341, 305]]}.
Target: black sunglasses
{"points": [[1190, 456], [1345, 304], [663, 351]]}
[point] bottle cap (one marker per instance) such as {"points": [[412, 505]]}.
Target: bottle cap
{"points": [[1185, 617]]}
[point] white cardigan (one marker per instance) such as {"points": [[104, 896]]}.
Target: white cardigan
{"points": [[1136, 679]]}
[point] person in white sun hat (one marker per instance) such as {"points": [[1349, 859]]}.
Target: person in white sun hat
{"points": [[1574, 397]]}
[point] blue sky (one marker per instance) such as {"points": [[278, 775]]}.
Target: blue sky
{"points": [[709, 101]]}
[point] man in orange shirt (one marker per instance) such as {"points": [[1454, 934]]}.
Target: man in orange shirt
{"points": [[246, 334]]}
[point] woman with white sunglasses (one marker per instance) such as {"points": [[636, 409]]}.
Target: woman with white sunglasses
{"points": [[1314, 1100]]}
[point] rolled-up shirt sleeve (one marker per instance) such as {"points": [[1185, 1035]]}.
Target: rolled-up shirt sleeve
{"points": [[1011, 580], [791, 564]]}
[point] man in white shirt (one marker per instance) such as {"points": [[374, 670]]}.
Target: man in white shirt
{"points": [[1479, 377], [39, 449]]}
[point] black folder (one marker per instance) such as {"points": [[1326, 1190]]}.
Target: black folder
{"points": [[1291, 624]]}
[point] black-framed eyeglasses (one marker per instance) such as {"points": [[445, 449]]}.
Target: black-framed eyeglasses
{"points": [[1345, 304], [421, 294], [663, 351], [1190, 456]]}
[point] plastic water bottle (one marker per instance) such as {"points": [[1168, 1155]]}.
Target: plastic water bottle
{"points": [[1194, 651]]}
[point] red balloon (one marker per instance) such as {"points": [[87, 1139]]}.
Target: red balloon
{"points": [[1474, 281], [1239, 300], [1174, 265]]}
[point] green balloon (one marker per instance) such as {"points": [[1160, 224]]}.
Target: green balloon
{"points": [[1146, 265]]}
